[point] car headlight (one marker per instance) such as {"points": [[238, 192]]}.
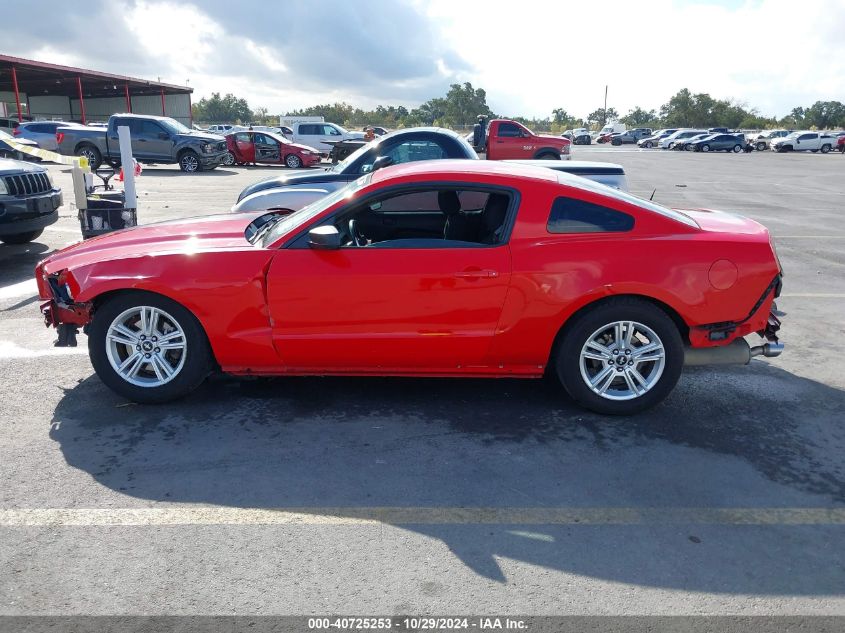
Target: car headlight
{"points": [[50, 179], [207, 148]]}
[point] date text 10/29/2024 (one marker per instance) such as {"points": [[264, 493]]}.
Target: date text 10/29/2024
{"points": [[409, 623]]}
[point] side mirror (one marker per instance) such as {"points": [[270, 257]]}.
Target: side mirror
{"points": [[325, 237], [382, 161], [164, 136]]}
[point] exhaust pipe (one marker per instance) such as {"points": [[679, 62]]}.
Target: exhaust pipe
{"points": [[737, 353]]}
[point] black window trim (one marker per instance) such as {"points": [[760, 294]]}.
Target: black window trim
{"points": [[581, 233], [510, 220]]}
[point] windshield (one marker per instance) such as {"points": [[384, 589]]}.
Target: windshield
{"points": [[174, 126], [343, 165], [612, 192], [307, 213]]}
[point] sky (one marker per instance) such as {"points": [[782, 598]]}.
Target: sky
{"points": [[530, 56]]}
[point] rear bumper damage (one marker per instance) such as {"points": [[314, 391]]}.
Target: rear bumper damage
{"points": [[764, 319]]}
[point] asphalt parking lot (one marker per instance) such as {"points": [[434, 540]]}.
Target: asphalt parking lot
{"points": [[377, 496]]}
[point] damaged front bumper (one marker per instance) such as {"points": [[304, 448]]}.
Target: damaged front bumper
{"points": [[67, 319], [60, 310]]}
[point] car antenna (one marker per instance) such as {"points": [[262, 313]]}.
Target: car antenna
{"points": [[652, 194]]}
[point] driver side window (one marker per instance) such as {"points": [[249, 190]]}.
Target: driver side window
{"points": [[429, 218]]}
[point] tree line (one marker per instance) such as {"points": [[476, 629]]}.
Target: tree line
{"points": [[462, 103]]}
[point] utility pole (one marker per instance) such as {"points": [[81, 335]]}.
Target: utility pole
{"points": [[604, 112]]}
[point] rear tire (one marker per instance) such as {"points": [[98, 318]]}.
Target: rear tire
{"points": [[761, 147], [293, 161], [190, 365], [627, 381], [737, 149], [228, 159], [95, 158], [21, 238], [825, 149]]}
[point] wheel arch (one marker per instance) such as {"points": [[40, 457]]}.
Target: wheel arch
{"points": [[543, 151], [673, 314], [103, 297]]}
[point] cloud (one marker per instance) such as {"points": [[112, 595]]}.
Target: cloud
{"points": [[546, 55]]}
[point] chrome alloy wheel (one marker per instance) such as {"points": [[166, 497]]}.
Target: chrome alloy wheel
{"points": [[146, 346], [622, 360], [189, 163]]}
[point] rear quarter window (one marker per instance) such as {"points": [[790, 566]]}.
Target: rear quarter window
{"points": [[569, 215]]}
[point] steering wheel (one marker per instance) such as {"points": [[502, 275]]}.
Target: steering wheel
{"points": [[356, 235]]}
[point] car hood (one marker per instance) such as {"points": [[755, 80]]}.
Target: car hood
{"points": [[306, 178], [192, 235], [549, 137], [203, 136], [9, 166], [715, 221], [301, 147]]}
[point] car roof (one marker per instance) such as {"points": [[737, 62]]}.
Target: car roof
{"points": [[574, 166], [458, 168], [417, 130]]}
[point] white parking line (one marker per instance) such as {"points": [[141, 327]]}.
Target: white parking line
{"points": [[179, 516], [26, 288], [13, 351]]}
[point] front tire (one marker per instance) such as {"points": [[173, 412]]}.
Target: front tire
{"points": [[761, 147], [648, 144], [189, 162], [620, 357], [293, 161], [21, 238], [148, 348]]}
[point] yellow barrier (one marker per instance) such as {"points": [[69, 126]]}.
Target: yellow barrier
{"points": [[44, 154]]}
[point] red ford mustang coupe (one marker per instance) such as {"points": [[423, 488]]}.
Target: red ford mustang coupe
{"points": [[267, 148], [436, 268]]}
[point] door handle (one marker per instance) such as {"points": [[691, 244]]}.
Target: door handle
{"points": [[477, 274], [500, 141]]}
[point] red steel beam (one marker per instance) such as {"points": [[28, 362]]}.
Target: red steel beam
{"points": [[128, 99], [17, 94], [81, 100]]}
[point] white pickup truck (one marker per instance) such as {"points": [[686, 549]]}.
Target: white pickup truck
{"points": [[805, 142], [316, 134]]}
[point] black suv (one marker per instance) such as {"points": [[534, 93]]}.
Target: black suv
{"points": [[29, 201]]}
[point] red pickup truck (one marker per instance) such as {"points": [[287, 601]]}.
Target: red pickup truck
{"points": [[508, 139]]}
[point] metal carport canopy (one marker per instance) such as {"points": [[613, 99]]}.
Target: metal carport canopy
{"points": [[34, 78]]}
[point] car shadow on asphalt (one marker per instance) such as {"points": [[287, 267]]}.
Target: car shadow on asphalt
{"points": [[756, 437], [17, 261]]}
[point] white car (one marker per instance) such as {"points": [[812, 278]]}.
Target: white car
{"points": [[680, 135], [763, 140], [805, 142], [316, 135]]}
